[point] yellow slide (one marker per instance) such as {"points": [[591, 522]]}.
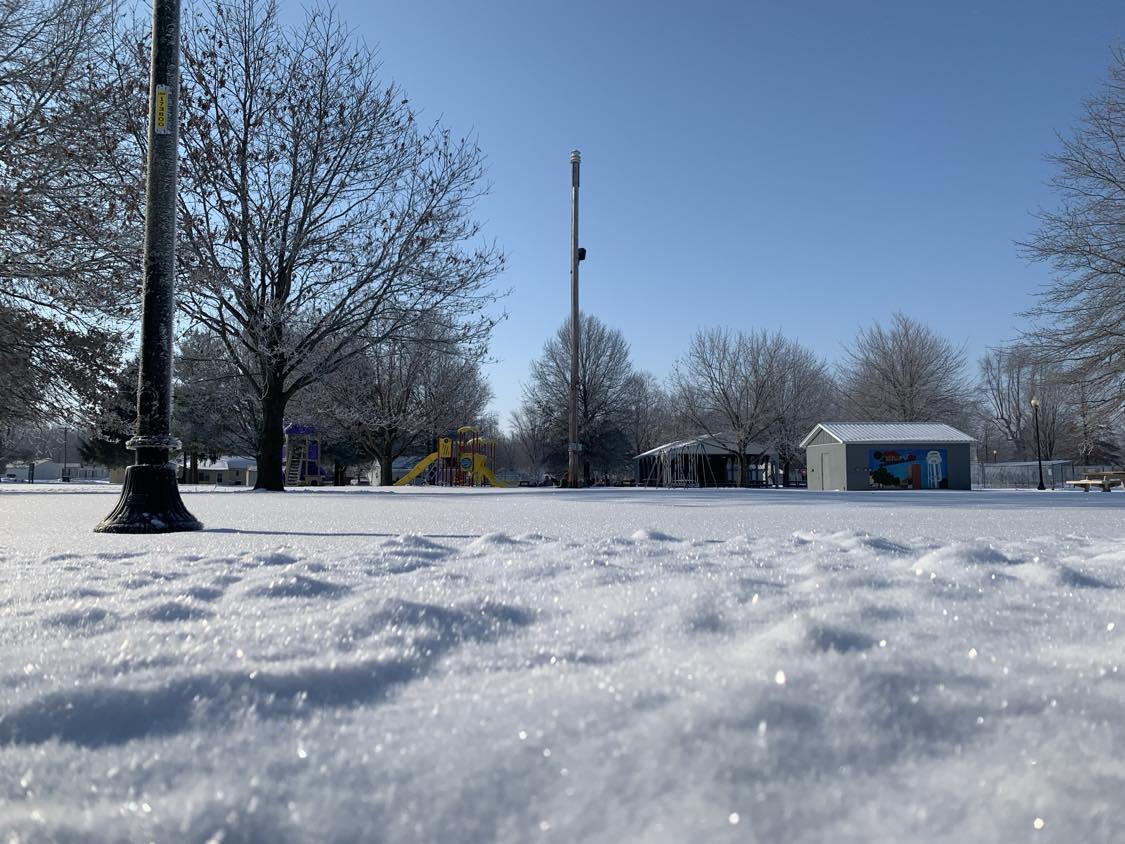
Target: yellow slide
{"points": [[418, 469], [480, 468]]}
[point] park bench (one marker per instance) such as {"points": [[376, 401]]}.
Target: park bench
{"points": [[1104, 480]]}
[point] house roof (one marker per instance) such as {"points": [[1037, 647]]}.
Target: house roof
{"points": [[709, 444], [228, 463], [888, 433]]}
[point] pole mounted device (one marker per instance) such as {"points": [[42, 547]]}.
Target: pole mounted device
{"points": [[150, 499], [576, 255]]}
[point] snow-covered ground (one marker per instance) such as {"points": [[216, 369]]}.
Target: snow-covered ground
{"points": [[602, 665]]}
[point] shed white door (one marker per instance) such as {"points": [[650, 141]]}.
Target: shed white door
{"points": [[825, 465]]}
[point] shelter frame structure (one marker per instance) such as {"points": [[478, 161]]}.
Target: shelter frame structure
{"points": [[706, 461]]}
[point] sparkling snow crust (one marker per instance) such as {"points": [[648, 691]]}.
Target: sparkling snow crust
{"points": [[602, 665]]}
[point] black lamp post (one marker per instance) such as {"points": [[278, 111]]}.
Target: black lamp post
{"points": [[150, 499], [1038, 450]]}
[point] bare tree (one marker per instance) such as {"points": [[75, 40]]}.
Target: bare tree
{"points": [[604, 371], [732, 383], [508, 457], [806, 395], [646, 413], [1010, 378], [1096, 439], [23, 443], [903, 373], [319, 219], [397, 397], [1055, 428], [1081, 315], [213, 413], [70, 225], [535, 436], [1007, 384], [453, 391]]}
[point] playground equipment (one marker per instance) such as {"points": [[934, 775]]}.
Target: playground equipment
{"points": [[464, 461], [301, 455]]}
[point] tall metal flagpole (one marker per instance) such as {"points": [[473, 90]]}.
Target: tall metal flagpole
{"points": [[150, 499], [572, 447]]}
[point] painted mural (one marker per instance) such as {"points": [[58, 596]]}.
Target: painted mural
{"points": [[908, 468]]}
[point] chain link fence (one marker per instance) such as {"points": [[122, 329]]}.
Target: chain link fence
{"points": [[1024, 474]]}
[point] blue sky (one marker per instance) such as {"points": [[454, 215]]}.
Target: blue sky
{"points": [[807, 167]]}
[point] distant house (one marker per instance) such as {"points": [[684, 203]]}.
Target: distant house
{"points": [[229, 471], [887, 455], [85, 472], [41, 471], [226, 471], [117, 473]]}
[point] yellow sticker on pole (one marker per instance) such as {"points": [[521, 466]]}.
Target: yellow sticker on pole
{"points": [[162, 103]]}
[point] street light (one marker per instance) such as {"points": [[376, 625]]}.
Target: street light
{"points": [[150, 499], [1038, 451]]}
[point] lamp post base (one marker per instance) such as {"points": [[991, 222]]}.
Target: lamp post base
{"points": [[150, 503]]}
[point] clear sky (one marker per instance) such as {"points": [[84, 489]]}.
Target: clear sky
{"points": [[798, 166]]}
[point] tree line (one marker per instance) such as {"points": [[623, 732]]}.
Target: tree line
{"points": [[330, 268], [762, 388]]}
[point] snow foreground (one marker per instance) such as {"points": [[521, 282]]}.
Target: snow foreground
{"points": [[634, 665]]}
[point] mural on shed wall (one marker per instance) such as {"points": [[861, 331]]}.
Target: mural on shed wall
{"points": [[908, 468]]}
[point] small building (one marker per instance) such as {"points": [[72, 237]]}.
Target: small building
{"points": [[887, 455], [708, 460], [229, 471]]}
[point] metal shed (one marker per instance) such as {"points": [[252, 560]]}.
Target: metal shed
{"points": [[887, 455]]}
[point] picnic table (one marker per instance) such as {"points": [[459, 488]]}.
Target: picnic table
{"points": [[1105, 480]]}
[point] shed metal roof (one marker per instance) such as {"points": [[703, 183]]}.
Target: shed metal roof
{"points": [[889, 432]]}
